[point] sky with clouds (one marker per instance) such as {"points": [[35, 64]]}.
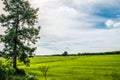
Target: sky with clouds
{"points": [[77, 25]]}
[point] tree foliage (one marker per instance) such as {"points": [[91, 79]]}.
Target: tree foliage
{"points": [[65, 53], [20, 32], [6, 70]]}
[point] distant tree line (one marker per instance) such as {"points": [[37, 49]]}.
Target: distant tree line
{"points": [[100, 53], [65, 53]]}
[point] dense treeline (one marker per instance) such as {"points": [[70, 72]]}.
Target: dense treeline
{"points": [[100, 53], [82, 54]]}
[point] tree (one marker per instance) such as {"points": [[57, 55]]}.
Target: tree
{"points": [[20, 32], [65, 53]]}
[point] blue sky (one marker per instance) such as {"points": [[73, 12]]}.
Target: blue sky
{"points": [[78, 25]]}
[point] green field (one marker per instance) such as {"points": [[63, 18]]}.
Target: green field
{"points": [[95, 67]]}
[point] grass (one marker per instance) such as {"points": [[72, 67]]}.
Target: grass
{"points": [[97, 67]]}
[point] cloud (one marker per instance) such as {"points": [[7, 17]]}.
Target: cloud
{"points": [[109, 23], [71, 25], [85, 41], [112, 24], [78, 26]]}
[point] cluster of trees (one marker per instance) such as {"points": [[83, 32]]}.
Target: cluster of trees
{"points": [[65, 53]]}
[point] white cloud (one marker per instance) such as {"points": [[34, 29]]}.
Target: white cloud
{"points": [[117, 25], [65, 27], [109, 23], [70, 25], [112, 24]]}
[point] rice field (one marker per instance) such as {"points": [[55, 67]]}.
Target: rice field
{"points": [[94, 67]]}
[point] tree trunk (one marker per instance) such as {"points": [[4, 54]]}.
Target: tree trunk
{"points": [[14, 62], [15, 53], [15, 42], [14, 58], [15, 47]]}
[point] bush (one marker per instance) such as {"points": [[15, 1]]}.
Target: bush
{"points": [[31, 77], [20, 72], [44, 70], [6, 70]]}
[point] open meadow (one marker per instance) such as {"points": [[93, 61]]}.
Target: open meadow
{"points": [[89, 28], [94, 67]]}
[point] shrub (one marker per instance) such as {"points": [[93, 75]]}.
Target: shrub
{"points": [[6, 70], [31, 77], [20, 72], [44, 70]]}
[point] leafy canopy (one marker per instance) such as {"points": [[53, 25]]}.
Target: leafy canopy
{"points": [[20, 33]]}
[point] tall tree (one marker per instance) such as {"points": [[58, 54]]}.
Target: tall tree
{"points": [[20, 32]]}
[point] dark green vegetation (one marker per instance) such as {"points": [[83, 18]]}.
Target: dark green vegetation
{"points": [[20, 32], [6, 70], [65, 54], [95, 67], [87, 53]]}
